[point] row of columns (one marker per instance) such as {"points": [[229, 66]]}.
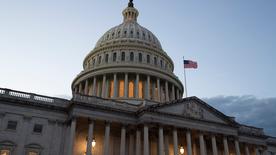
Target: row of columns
{"points": [[190, 149], [170, 94]]}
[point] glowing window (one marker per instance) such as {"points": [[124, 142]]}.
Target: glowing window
{"points": [[121, 88], [5, 152], [131, 89], [32, 153]]}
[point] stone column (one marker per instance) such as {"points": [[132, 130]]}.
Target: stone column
{"points": [[104, 87], [137, 86], [237, 147], [167, 91], [173, 92], [214, 145], [160, 141], [86, 88], [115, 86], [138, 142], [177, 94], [158, 90], [225, 144], [131, 144], [94, 86], [106, 139], [146, 140], [72, 136], [23, 134], [201, 142], [80, 88], [126, 85], [257, 151], [175, 142], [194, 148], [123, 141], [189, 142], [247, 150], [90, 138], [148, 88], [167, 147]]}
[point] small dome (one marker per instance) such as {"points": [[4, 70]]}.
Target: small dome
{"points": [[129, 30]]}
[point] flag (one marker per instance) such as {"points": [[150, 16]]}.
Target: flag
{"points": [[190, 64]]}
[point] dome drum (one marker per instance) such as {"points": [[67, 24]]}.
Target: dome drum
{"points": [[129, 86]]}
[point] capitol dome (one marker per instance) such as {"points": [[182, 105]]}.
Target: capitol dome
{"points": [[129, 64]]}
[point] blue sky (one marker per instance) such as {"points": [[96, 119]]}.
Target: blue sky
{"points": [[43, 43]]}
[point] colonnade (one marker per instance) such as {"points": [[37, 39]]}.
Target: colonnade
{"points": [[129, 85], [142, 146]]}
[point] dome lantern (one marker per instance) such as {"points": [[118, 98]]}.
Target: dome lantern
{"points": [[130, 13]]}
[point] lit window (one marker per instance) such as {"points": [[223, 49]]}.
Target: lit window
{"points": [[140, 57], [32, 153], [131, 89], [121, 88], [131, 56], [5, 152], [38, 128], [12, 125]]}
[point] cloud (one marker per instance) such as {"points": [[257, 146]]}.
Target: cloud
{"points": [[248, 110]]}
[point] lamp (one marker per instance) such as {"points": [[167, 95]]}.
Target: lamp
{"points": [[181, 150], [93, 143]]}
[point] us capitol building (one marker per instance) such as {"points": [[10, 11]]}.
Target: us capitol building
{"points": [[126, 101]]}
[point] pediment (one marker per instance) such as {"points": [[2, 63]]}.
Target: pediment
{"points": [[194, 108]]}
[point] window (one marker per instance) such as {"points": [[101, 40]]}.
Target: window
{"points": [[140, 57], [114, 56], [93, 62], [38, 128], [106, 58], [155, 61], [5, 152], [161, 63], [123, 56], [12, 125], [131, 56], [33, 153], [100, 59], [148, 59]]}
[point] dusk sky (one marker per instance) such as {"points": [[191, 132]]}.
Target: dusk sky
{"points": [[43, 44]]}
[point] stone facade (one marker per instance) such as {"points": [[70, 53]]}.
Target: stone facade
{"points": [[126, 101]]}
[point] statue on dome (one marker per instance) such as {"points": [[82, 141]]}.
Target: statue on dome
{"points": [[130, 4]]}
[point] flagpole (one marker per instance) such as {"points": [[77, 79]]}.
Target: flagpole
{"points": [[185, 80]]}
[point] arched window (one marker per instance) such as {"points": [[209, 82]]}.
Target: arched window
{"points": [[123, 56], [100, 59], [155, 61], [121, 88], [106, 58], [131, 56], [114, 56], [131, 89], [140, 57], [148, 59]]}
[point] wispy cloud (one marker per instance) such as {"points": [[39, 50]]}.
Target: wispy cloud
{"points": [[248, 110]]}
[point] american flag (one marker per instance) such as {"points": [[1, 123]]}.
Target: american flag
{"points": [[190, 64]]}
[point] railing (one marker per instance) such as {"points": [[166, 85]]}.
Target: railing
{"points": [[32, 97]]}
